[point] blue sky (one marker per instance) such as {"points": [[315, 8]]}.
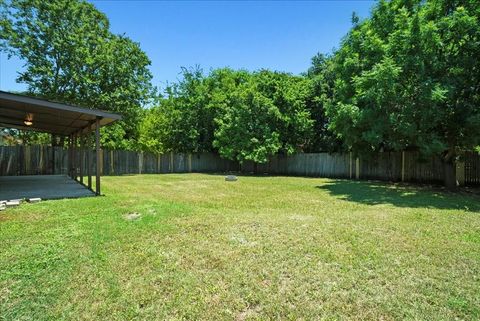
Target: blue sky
{"points": [[278, 35]]}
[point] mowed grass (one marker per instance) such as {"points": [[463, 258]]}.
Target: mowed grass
{"points": [[260, 248]]}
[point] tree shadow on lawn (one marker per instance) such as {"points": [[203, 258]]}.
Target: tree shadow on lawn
{"points": [[401, 195]]}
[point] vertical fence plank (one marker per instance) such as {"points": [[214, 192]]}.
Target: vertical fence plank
{"points": [[460, 173], [351, 165], [357, 168]]}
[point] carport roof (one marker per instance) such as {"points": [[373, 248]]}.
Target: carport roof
{"points": [[47, 116]]}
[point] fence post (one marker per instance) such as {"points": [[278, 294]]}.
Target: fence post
{"points": [[89, 166], [189, 163], [9, 164], [82, 154], [171, 162], [159, 163], [140, 162], [403, 166], [351, 165], [99, 154], [69, 156], [27, 157], [357, 168], [460, 173], [112, 165], [53, 155], [40, 163], [74, 158], [101, 161]]}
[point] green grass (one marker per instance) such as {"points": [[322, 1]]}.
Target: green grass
{"points": [[260, 248]]}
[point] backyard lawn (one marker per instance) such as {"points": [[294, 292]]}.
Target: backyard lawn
{"points": [[259, 248]]}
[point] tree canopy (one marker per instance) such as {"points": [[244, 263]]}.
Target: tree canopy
{"points": [[242, 115], [409, 77]]}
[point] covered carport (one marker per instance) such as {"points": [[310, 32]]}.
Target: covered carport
{"points": [[73, 124]]}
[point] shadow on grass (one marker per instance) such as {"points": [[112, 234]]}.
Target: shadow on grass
{"points": [[374, 193]]}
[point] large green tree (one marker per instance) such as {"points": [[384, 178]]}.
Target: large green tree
{"points": [[409, 77], [241, 115], [71, 56], [170, 126], [289, 95], [263, 116], [245, 129], [182, 121], [320, 92]]}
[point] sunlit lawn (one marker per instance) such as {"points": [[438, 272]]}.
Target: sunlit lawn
{"points": [[260, 248]]}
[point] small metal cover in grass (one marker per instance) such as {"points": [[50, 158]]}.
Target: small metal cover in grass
{"points": [[132, 216], [231, 178]]}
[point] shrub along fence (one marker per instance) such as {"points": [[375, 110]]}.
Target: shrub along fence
{"points": [[388, 166]]}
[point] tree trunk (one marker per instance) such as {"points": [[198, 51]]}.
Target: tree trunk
{"points": [[450, 175]]}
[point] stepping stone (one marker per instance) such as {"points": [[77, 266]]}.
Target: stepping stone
{"points": [[3, 207], [13, 203], [231, 178], [34, 200]]}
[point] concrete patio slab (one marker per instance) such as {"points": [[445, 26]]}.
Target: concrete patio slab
{"points": [[41, 186]]}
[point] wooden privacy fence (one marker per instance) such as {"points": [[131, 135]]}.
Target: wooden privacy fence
{"points": [[387, 166], [38, 160], [33, 160]]}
